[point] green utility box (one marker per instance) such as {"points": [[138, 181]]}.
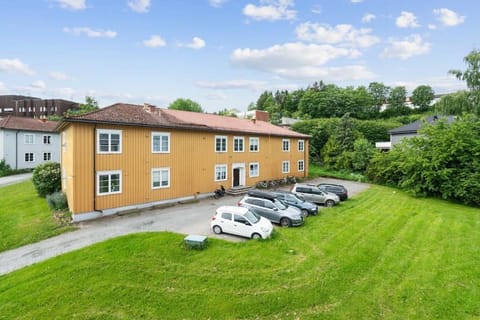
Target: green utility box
{"points": [[196, 242]]}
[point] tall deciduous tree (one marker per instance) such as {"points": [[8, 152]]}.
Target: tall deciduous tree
{"points": [[471, 76], [185, 105], [90, 105], [379, 93], [422, 96]]}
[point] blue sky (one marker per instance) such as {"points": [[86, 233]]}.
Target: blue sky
{"points": [[224, 53]]}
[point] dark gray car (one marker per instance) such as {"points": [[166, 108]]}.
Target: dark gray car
{"points": [[307, 208], [274, 210]]}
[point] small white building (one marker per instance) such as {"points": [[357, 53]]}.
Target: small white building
{"points": [[26, 142]]}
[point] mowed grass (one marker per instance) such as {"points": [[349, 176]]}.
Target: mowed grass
{"points": [[381, 255], [24, 217]]}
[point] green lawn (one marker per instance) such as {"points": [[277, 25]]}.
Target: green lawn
{"points": [[24, 217], [381, 255]]}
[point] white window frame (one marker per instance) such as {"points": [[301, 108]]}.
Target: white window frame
{"points": [[257, 144], [109, 174], [109, 132], [29, 138], [49, 156], [225, 168], [226, 143], [161, 170], [252, 173], [48, 138], [287, 164], [161, 135], [287, 143], [302, 162], [242, 139], [302, 144], [29, 153]]}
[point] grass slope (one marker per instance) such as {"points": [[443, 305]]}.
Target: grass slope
{"points": [[381, 255], [24, 217]]}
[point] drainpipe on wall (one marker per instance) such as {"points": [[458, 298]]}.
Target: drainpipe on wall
{"points": [[94, 168], [16, 150]]}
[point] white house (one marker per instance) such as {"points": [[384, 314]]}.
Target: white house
{"points": [[26, 143]]}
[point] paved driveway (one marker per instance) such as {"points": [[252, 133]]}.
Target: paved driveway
{"points": [[191, 218], [15, 178]]}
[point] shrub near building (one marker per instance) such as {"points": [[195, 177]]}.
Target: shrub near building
{"points": [[47, 178]]}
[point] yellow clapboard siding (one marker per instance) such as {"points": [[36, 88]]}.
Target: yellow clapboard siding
{"points": [[191, 160]]}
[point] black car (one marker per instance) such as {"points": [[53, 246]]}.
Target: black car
{"points": [[291, 199], [338, 189]]}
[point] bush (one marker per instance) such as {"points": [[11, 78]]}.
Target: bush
{"points": [[57, 201], [47, 178], [5, 169]]}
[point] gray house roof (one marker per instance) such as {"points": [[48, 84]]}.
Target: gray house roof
{"points": [[416, 125]]}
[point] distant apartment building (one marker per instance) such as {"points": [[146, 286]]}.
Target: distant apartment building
{"points": [[26, 143], [31, 107]]}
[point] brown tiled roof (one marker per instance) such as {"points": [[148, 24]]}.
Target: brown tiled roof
{"points": [[136, 115], [27, 124]]}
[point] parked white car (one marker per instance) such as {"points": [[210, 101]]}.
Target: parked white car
{"points": [[240, 221]]}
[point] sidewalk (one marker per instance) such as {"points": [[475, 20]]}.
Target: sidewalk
{"points": [[4, 181]]}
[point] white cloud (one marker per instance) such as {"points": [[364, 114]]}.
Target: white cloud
{"points": [[90, 32], [271, 10], [408, 47], [72, 4], [15, 65], [197, 43], [356, 1], [300, 61], [317, 9], [140, 6], [3, 87], [154, 42], [448, 17], [407, 20], [57, 75], [368, 17], [432, 27], [217, 3], [39, 84], [216, 96], [233, 84], [342, 33]]}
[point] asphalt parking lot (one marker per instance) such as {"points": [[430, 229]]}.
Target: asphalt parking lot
{"points": [[188, 218]]}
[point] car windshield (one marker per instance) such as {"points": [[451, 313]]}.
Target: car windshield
{"points": [[280, 204], [252, 217]]}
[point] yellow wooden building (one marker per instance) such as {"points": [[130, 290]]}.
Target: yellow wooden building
{"points": [[130, 156]]}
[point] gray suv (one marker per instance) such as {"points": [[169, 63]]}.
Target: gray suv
{"points": [[274, 210], [314, 194]]}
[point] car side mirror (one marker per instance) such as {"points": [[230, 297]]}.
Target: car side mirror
{"points": [[247, 223], [275, 209]]}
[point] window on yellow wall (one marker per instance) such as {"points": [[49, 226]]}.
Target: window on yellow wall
{"points": [[160, 178], [254, 169], [238, 144], [301, 145], [286, 145], [301, 165], [109, 141], [160, 142], [221, 172], [109, 182], [285, 166], [220, 143], [254, 144]]}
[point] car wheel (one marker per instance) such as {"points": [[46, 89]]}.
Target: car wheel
{"points": [[256, 236], [217, 229], [304, 213], [330, 203], [285, 222]]}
